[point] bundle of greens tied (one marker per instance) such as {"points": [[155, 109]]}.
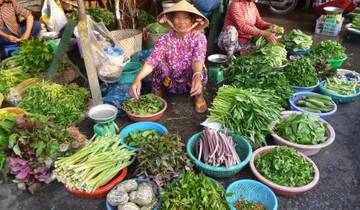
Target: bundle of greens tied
{"points": [[248, 112], [94, 165], [297, 40]]}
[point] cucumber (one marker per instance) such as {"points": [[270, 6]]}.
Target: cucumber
{"points": [[327, 102], [316, 103], [300, 103], [310, 110], [321, 97]]}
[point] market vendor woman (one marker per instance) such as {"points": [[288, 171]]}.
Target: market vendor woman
{"points": [[177, 62], [10, 30]]}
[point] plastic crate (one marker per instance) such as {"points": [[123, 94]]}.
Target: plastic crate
{"points": [[328, 26]]}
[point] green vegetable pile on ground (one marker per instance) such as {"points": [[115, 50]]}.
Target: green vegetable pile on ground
{"points": [[145, 105], [138, 136], [297, 40], [10, 78], [315, 103], [247, 112], [144, 18], [342, 87], [356, 22], [7, 123], [284, 166], [323, 67], [163, 159], [302, 129], [301, 73], [94, 165], [275, 55], [65, 103], [253, 72], [157, 28], [329, 49], [98, 15], [34, 55], [194, 192]]}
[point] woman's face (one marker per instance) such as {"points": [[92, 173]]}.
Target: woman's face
{"points": [[182, 21]]}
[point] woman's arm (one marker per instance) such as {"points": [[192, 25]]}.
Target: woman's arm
{"points": [[196, 85], [29, 25], [198, 63], [136, 85]]}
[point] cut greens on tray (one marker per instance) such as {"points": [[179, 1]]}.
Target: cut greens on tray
{"points": [[162, 160], [253, 72], [146, 105], [297, 40], [217, 149], [246, 112], [302, 128], [64, 103], [138, 136], [194, 192], [301, 73], [284, 166], [329, 49]]}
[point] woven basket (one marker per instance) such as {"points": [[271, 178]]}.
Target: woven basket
{"points": [[130, 40]]}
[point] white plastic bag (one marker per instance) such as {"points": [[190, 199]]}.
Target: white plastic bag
{"points": [[53, 16]]}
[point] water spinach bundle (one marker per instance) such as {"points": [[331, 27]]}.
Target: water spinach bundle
{"points": [[301, 73], [247, 112]]}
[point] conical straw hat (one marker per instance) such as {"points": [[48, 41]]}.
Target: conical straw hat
{"points": [[184, 6]]}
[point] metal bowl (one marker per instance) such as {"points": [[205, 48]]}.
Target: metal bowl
{"points": [[103, 112], [333, 10], [217, 58]]}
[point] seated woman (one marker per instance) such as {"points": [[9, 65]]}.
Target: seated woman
{"points": [[177, 62], [242, 21], [10, 31], [346, 5]]}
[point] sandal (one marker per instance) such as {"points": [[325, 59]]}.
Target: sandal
{"points": [[200, 106]]}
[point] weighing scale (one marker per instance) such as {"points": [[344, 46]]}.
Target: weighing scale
{"points": [[104, 115]]}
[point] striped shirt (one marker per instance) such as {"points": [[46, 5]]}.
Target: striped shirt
{"points": [[9, 11], [245, 17]]}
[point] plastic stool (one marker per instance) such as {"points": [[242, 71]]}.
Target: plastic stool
{"points": [[9, 49]]}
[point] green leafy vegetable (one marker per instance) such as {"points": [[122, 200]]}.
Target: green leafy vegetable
{"points": [[10, 78], [284, 166], [329, 49], [356, 22], [98, 15], [157, 28], [247, 112], [34, 55], [297, 40], [301, 73], [144, 18], [302, 129], [248, 205], [145, 105], [275, 55], [163, 159], [138, 136], [194, 192], [323, 67], [63, 102]]}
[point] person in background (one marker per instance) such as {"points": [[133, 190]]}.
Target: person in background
{"points": [[10, 30], [346, 5], [177, 63], [242, 21]]}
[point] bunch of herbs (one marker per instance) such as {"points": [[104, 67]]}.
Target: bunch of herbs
{"points": [[329, 49], [145, 105], [138, 136], [247, 112], [301, 72], [163, 159], [284, 166], [10, 78]]}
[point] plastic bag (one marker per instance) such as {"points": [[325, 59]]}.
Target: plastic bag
{"points": [[53, 16]]}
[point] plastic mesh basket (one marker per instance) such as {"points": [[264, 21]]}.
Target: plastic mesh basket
{"points": [[251, 190], [243, 149]]}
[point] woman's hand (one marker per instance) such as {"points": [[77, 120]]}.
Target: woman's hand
{"points": [[135, 89], [269, 36], [196, 85], [13, 39]]}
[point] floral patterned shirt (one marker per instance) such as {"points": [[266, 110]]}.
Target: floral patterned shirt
{"points": [[179, 54]]}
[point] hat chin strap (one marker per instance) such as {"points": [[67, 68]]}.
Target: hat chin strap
{"points": [[198, 21]]}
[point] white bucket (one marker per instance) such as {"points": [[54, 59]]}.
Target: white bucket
{"points": [[115, 54]]}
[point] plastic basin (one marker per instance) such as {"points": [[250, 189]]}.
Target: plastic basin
{"points": [[129, 73], [337, 97], [307, 150], [152, 117], [294, 98], [139, 181], [279, 189], [337, 63], [140, 126], [251, 190], [243, 149], [305, 89]]}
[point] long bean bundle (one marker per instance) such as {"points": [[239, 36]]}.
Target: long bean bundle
{"points": [[94, 165], [247, 112]]}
